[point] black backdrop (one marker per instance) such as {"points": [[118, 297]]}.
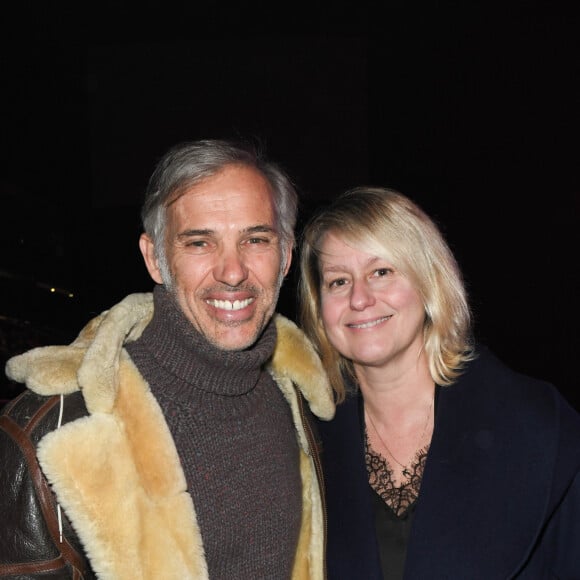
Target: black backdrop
{"points": [[470, 111]]}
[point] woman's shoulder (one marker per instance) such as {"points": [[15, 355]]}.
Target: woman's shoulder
{"points": [[488, 371], [488, 383]]}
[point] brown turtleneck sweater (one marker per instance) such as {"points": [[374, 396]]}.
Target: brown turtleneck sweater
{"points": [[236, 440]]}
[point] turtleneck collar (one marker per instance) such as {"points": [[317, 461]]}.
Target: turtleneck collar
{"points": [[184, 352]]}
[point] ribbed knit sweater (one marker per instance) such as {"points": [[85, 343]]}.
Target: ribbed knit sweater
{"points": [[236, 440]]}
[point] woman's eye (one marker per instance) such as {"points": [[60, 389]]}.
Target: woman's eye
{"points": [[380, 272], [337, 282]]}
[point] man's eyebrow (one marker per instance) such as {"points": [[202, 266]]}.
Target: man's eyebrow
{"points": [[260, 228], [191, 233]]}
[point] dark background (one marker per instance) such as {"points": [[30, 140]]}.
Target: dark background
{"points": [[472, 111]]}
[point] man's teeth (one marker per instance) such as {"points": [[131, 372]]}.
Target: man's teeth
{"points": [[370, 324], [229, 304]]}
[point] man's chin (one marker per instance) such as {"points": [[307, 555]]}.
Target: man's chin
{"points": [[233, 346], [235, 339]]}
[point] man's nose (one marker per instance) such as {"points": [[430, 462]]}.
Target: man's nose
{"points": [[230, 268]]}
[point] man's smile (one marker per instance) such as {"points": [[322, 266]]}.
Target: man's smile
{"points": [[230, 304]]}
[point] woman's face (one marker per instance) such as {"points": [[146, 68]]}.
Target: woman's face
{"points": [[371, 313]]}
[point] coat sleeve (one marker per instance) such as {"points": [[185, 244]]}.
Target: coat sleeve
{"points": [[559, 546], [567, 534], [32, 543]]}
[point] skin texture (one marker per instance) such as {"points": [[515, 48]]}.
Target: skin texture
{"points": [[371, 313], [224, 255]]}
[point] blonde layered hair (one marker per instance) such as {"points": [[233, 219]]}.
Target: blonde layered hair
{"points": [[385, 223]]}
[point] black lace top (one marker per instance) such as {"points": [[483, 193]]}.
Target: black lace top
{"points": [[401, 498]]}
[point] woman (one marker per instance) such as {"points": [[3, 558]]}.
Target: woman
{"points": [[440, 461]]}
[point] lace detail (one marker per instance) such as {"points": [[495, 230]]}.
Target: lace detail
{"points": [[398, 499]]}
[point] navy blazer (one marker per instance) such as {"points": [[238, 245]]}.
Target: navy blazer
{"points": [[500, 496]]}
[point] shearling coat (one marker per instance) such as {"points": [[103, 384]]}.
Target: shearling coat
{"points": [[115, 469]]}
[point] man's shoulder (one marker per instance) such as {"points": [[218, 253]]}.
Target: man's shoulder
{"points": [[91, 360], [32, 415]]}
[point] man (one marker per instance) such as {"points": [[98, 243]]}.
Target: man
{"points": [[171, 435]]}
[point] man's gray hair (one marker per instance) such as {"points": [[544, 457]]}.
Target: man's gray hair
{"points": [[188, 163]]}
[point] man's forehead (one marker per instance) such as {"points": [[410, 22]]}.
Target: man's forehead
{"points": [[223, 178], [201, 218]]}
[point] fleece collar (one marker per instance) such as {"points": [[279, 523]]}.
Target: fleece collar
{"points": [[91, 362]]}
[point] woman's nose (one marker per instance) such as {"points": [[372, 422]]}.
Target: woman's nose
{"points": [[361, 296]]}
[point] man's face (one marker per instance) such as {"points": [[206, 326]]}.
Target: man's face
{"points": [[224, 255]]}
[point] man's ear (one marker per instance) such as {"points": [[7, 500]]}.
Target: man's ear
{"points": [[147, 248], [289, 252]]}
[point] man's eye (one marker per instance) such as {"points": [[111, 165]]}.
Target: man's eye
{"points": [[258, 241], [197, 243]]}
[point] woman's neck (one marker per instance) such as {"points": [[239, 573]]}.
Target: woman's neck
{"points": [[397, 395]]}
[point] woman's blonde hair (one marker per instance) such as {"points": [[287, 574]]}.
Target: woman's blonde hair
{"points": [[388, 224]]}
